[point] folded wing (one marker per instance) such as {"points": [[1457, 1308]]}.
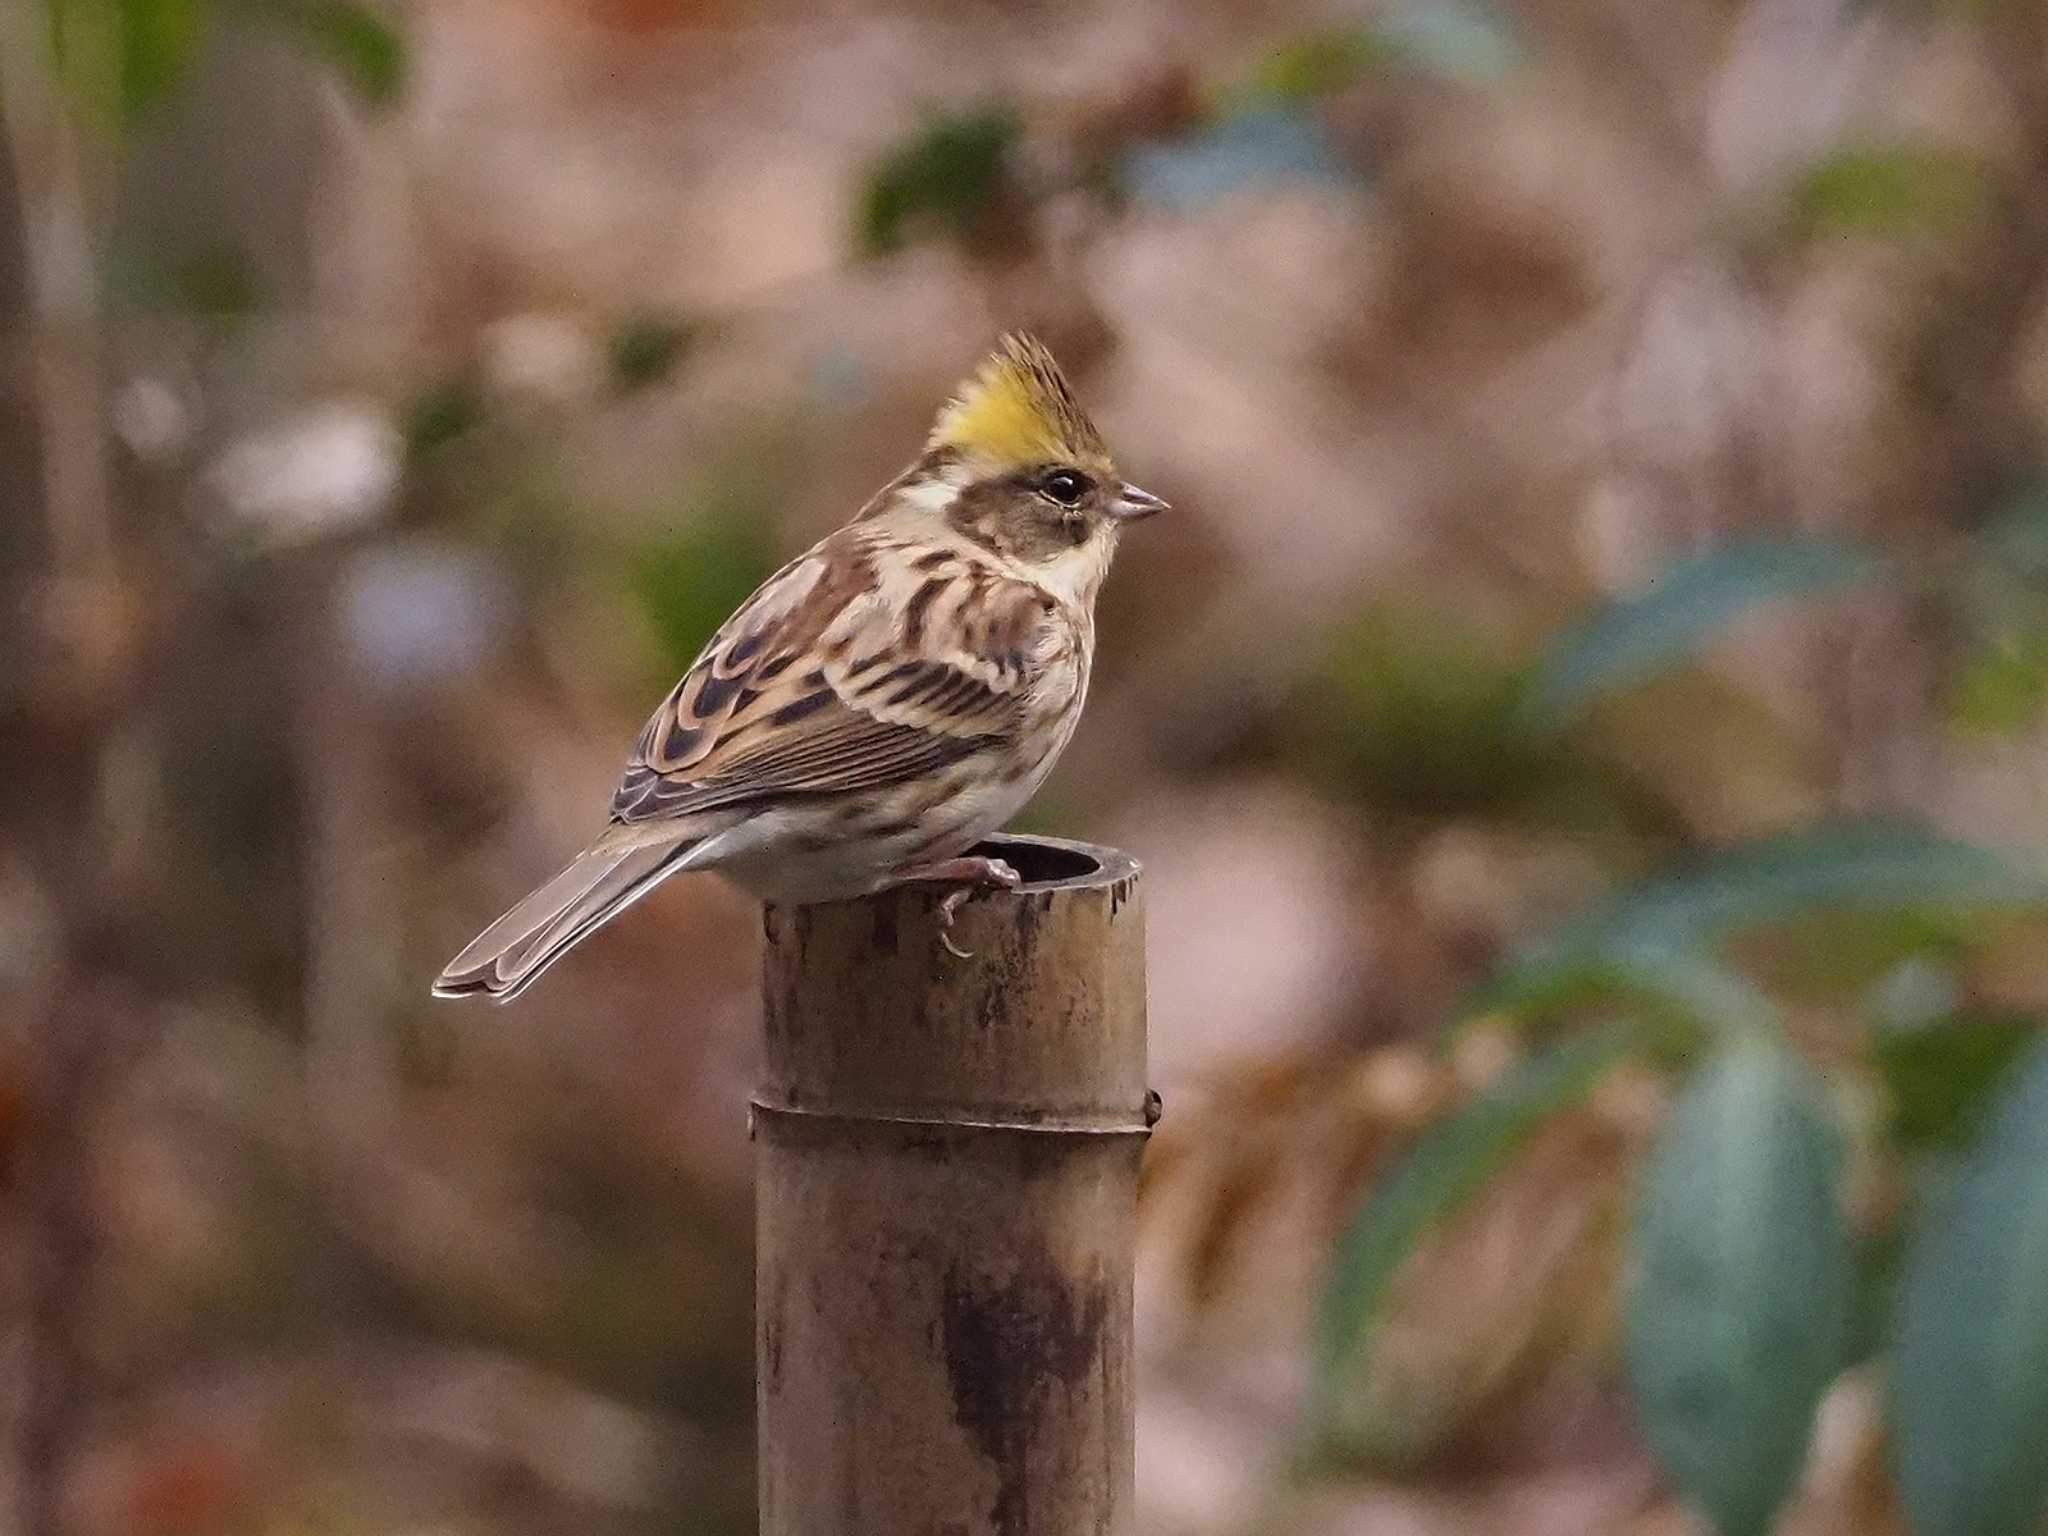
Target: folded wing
{"points": [[820, 686]]}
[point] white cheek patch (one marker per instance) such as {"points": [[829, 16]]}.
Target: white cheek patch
{"points": [[930, 495]]}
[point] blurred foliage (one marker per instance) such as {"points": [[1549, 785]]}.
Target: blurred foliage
{"points": [[442, 413], [1242, 148], [1740, 1304], [2001, 688], [1940, 1074], [219, 282], [1627, 641], [1424, 718], [2001, 611], [690, 581], [352, 37], [119, 57], [1447, 1165], [1460, 41], [1904, 882], [1743, 1301], [1341, 232], [1891, 192], [952, 177], [646, 348], [1319, 63], [209, 278], [1969, 1388]]}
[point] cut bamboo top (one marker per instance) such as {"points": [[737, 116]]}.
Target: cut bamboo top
{"points": [[870, 1017]]}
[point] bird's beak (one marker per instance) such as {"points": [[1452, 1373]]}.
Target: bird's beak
{"points": [[1132, 504]]}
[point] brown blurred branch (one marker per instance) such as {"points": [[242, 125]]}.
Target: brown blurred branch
{"points": [[353, 947], [62, 196], [61, 1247], [61, 206]]}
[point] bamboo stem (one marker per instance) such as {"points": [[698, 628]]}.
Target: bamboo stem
{"points": [[947, 1156]]}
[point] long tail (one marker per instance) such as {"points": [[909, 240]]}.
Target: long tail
{"points": [[600, 883]]}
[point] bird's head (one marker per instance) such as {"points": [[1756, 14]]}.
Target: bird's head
{"points": [[1026, 473]]}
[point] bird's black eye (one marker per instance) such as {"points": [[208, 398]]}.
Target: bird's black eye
{"points": [[1065, 486]]}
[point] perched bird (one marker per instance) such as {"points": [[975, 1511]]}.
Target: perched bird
{"points": [[884, 701]]}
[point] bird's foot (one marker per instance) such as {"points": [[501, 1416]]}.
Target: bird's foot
{"points": [[964, 874]]}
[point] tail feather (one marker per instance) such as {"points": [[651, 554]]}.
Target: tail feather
{"points": [[600, 883]]}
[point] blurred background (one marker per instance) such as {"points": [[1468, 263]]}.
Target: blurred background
{"points": [[1603, 440]]}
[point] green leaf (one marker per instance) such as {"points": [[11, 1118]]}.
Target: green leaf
{"points": [[1970, 1375], [1444, 1169], [952, 174], [352, 37], [1997, 593], [1878, 1258], [646, 347], [1421, 716], [209, 276], [1738, 1316], [117, 58], [440, 414], [2002, 685], [159, 39], [1317, 64], [687, 584], [1890, 192], [1873, 864], [359, 43], [1679, 987], [219, 281], [1652, 930], [1942, 1075], [1454, 41], [1635, 637]]}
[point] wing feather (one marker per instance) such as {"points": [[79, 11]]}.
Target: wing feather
{"points": [[815, 688]]}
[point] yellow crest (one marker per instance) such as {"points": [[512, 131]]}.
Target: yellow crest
{"points": [[1018, 410]]}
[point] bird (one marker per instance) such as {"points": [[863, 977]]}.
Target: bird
{"points": [[883, 702]]}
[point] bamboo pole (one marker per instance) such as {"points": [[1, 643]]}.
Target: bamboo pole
{"points": [[947, 1162]]}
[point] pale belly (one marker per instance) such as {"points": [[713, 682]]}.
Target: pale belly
{"points": [[796, 855]]}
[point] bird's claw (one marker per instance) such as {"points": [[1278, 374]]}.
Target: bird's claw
{"points": [[995, 872]]}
